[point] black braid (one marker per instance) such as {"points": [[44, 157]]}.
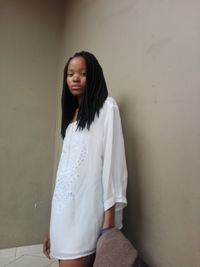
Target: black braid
{"points": [[93, 97]]}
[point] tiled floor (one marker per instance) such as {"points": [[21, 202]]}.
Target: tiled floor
{"points": [[29, 256]]}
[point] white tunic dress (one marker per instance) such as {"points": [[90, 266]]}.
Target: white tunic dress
{"points": [[91, 178]]}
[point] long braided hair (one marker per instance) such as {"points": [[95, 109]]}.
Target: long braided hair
{"points": [[93, 96]]}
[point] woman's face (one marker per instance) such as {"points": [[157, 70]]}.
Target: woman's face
{"points": [[76, 76]]}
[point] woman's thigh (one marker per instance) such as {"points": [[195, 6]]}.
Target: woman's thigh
{"points": [[81, 262]]}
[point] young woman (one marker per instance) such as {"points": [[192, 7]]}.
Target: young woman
{"points": [[90, 189]]}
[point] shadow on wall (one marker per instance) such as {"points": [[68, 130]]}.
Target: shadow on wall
{"points": [[133, 213]]}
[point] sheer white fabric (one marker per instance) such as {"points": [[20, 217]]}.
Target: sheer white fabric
{"points": [[91, 178]]}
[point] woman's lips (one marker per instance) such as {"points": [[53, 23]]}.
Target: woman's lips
{"points": [[76, 87]]}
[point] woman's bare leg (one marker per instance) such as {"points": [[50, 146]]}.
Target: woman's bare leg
{"points": [[81, 262]]}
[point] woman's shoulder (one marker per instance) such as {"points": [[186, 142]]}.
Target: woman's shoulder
{"points": [[110, 102], [110, 105]]}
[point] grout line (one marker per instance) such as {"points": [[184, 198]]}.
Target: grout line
{"points": [[51, 263], [33, 255], [18, 251], [12, 261]]}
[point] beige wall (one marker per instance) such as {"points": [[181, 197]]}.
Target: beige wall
{"points": [[30, 34], [150, 54]]}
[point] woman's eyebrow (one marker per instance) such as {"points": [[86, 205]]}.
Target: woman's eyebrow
{"points": [[78, 69]]}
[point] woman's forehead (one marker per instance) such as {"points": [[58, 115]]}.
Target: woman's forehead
{"points": [[77, 63]]}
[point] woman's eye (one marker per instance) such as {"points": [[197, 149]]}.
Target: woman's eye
{"points": [[84, 74], [69, 74]]}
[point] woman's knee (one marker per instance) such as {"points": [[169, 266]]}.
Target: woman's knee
{"points": [[80, 262]]}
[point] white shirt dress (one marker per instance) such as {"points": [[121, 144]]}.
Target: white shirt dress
{"points": [[91, 178]]}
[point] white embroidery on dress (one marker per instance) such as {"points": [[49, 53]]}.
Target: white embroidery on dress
{"points": [[72, 157]]}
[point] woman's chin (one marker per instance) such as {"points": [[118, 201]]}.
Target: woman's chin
{"points": [[76, 93]]}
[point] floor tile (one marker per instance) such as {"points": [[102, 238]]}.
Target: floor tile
{"points": [[5, 260], [54, 264], [7, 252], [30, 250], [31, 261]]}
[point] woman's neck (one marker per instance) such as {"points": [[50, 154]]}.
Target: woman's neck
{"points": [[80, 99]]}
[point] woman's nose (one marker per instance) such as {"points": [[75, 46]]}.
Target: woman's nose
{"points": [[76, 77]]}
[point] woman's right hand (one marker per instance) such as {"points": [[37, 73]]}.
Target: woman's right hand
{"points": [[46, 247]]}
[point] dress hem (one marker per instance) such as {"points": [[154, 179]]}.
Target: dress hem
{"points": [[72, 257]]}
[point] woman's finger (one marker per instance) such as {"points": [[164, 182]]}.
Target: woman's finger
{"points": [[46, 248]]}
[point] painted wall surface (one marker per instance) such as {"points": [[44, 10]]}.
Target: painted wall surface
{"points": [[150, 54], [30, 34], [149, 51]]}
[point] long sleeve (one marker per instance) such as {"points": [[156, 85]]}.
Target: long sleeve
{"points": [[114, 174]]}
